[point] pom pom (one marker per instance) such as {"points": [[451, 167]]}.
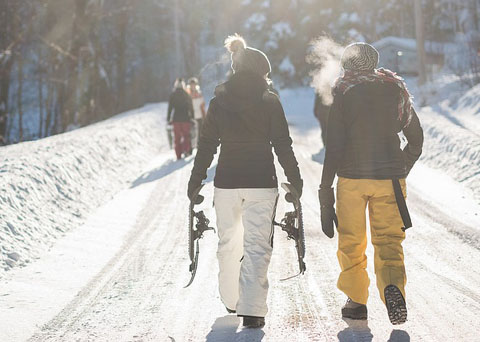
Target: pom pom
{"points": [[235, 43]]}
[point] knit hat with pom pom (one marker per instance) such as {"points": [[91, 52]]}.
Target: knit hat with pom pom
{"points": [[246, 58]]}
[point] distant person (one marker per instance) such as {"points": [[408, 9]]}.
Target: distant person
{"points": [[246, 120], [320, 111], [180, 114], [370, 107], [198, 108]]}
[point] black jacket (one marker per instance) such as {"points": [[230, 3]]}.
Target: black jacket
{"points": [[362, 135], [321, 113], [246, 120], [180, 103]]}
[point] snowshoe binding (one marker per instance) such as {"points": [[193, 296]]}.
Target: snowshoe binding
{"points": [[195, 232], [292, 224]]}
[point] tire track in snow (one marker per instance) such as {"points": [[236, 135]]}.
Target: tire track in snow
{"points": [[110, 275]]}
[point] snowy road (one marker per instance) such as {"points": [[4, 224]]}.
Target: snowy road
{"points": [[126, 283]]}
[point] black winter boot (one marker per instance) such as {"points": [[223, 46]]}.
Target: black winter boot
{"points": [[253, 322], [354, 310], [396, 306]]}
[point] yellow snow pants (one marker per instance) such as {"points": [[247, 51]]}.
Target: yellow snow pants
{"points": [[353, 196]]}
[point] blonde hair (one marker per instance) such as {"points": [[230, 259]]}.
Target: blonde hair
{"points": [[235, 43]]}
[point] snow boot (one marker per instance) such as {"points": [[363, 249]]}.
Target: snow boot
{"points": [[396, 307], [230, 310], [354, 310], [253, 322]]}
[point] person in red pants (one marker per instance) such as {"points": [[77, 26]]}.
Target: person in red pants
{"points": [[180, 115]]}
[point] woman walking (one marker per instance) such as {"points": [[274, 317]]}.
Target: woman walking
{"points": [[246, 120], [198, 109], [370, 107], [180, 114]]}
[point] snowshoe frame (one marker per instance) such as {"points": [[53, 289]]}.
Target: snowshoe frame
{"points": [[196, 234], [292, 224]]}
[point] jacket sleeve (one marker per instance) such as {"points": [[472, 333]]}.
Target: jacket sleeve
{"points": [[336, 135], [414, 134], [170, 108], [207, 147], [282, 143]]}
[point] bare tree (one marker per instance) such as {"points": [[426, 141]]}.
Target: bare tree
{"points": [[8, 42], [420, 34], [121, 25], [78, 40]]}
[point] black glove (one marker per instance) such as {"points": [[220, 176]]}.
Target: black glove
{"points": [[192, 186], [327, 211], [298, 186]]}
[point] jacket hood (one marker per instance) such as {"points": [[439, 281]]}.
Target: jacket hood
{"points": [[243, 90]]}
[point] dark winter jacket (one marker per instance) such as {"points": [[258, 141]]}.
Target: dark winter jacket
{"points": [[246, 120], [321, 113], [362, 135], [180, 103]]}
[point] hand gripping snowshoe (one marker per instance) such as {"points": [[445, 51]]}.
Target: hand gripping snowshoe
{"points": [[292, 224], [195, 233]]}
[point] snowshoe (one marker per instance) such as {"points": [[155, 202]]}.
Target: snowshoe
{"points": [[396, 306], [253, 322], [292, 224], [195, 232], [354, 310]]}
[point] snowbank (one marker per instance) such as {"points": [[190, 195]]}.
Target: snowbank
{"points": [[451, 148], [450, 117], [49, 186]]}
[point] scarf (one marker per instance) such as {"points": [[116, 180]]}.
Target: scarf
{"points": [[352, 78]]}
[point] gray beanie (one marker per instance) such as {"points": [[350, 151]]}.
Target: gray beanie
{"points": [[247, 58], [360, 56]]}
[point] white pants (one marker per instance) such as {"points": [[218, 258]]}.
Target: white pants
{"points": [[245, 230]]}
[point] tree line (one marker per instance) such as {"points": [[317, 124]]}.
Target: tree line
{"points": [[68, 63]]}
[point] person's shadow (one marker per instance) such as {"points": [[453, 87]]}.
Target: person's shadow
{"points": [[358, 331], [225, 329], [399, 336], [160, 172]]}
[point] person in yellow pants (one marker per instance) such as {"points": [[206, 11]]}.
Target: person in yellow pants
{"points": [[371, 106], [385, 222]]}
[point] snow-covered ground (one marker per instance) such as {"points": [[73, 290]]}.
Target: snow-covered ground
{"points": [[120, 274], [49, 186]]}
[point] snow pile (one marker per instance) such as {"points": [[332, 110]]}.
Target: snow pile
{"points": [[451, 148], [467, 108], [49, 186], [450, 117]]}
